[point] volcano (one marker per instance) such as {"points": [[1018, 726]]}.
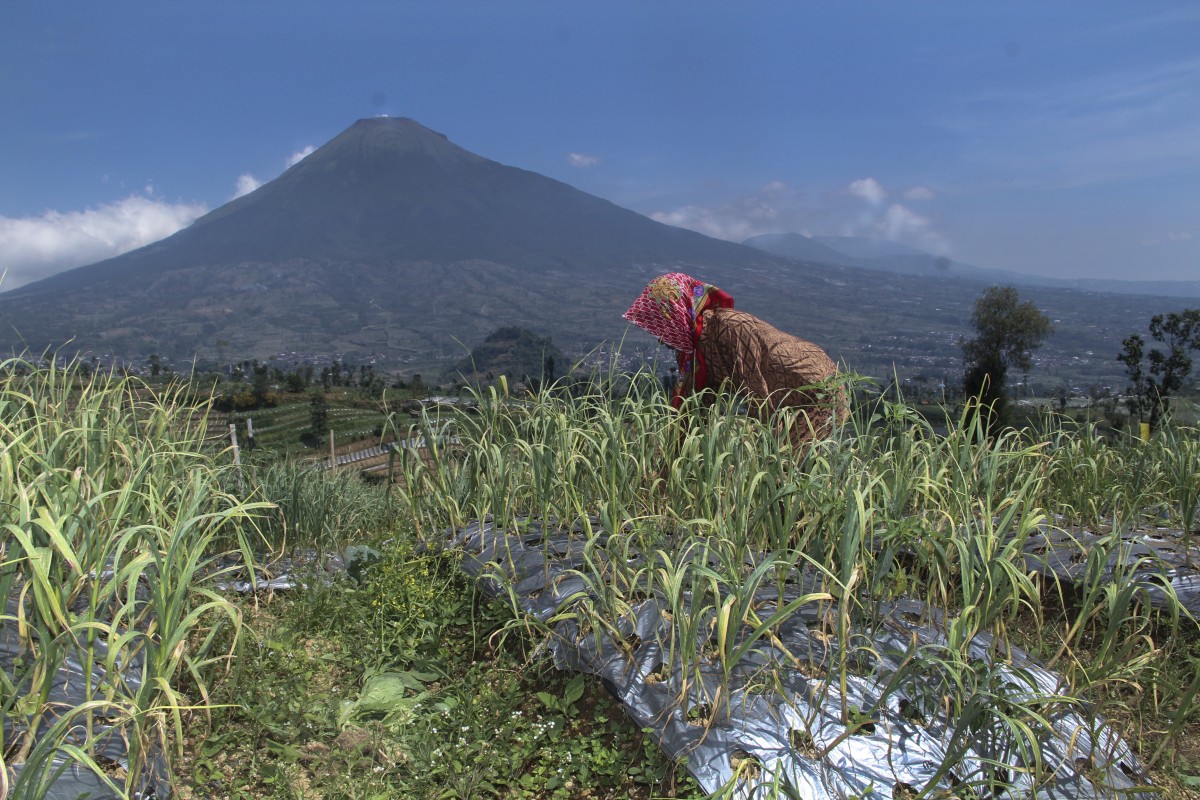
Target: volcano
{"points": [[389, 240]]}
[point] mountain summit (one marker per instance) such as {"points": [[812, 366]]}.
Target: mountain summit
{"points": [[389, 240]]}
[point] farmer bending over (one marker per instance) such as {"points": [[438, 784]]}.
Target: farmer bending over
{"points": [[717, 346]]}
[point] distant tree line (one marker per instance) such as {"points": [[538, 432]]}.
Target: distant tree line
{"points": [[250, 384]]}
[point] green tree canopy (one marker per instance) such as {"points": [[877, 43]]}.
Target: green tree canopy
{"points": [[1155, 376], [1007, 332], [516, 352], [318, 413]]}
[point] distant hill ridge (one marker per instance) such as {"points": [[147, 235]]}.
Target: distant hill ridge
{"points": [[895, 257], [515, 352]]}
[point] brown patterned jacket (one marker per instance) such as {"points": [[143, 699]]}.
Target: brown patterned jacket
{"points": [[774, 368]]}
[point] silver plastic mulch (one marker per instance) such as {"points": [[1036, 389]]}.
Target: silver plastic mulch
{"points": [[1161, 561], [790, 724], [80, 678]]}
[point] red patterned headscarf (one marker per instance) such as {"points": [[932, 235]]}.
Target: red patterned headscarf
{"points": [[669, 308]]}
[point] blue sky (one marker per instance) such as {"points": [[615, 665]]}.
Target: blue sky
{"points": [[1057, 138]]}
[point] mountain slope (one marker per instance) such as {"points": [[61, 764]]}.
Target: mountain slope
{"points": [[799, 246], [387, 237], [865, 248], [391, 189]]}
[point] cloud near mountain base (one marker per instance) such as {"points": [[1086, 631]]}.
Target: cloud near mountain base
{"points": [[32, 248], [859, 209]]}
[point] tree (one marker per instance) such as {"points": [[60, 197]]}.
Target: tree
{"points": [[294, 381], [1155, 376], [513, 351], [1008, 331], [318, 411], [260, 383]]}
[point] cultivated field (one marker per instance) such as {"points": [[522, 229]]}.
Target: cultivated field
{"points": [[383, 672]]}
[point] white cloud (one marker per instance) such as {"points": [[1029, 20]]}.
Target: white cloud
{"points": [[298, 156], [37, 247], [779, 208], [1170, 236], [919, 193], [246, 183], [902, 224], [582, 160], [868, 189], [734, 222], [899, 222]]}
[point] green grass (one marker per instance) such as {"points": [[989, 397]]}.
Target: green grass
{"points": [[404, 685], [399, 681]]}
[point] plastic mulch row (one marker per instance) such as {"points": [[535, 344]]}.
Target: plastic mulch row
{"points": [[784, 719]]}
